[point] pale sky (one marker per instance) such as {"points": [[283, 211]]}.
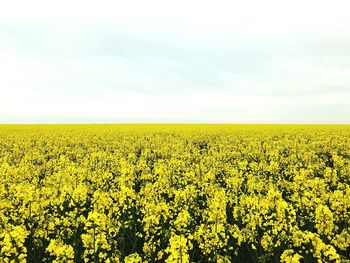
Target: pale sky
{"points": [[175, 61]]}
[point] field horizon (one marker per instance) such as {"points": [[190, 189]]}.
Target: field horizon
{"points": [[175, 131]]}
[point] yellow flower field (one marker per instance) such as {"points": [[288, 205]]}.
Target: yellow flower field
{"points": [[174, 193]]}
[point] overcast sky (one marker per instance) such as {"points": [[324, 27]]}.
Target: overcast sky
{"points": [[175, 61]]}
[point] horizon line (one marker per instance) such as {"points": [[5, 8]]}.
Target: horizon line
{"points": [[180, 123]]}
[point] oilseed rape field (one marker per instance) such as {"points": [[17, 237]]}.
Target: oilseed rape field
{"points": [[174, 193]]}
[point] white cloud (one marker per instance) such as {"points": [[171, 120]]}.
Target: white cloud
{"points": [[200, 61]]}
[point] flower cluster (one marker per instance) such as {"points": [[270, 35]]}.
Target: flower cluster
{"points": [[174, 193]]}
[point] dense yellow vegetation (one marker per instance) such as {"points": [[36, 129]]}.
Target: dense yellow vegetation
{"points": [[174, 193]]}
